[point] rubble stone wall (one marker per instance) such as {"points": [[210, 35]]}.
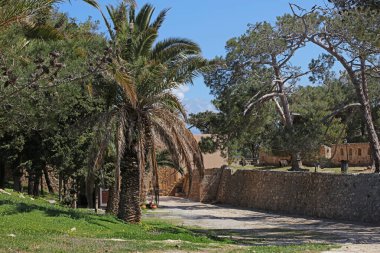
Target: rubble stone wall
{"points": [[336, 196]]}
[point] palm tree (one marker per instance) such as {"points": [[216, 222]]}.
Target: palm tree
{"points": [[141, 77]]}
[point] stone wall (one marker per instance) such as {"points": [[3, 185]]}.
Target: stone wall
{"points": [[337, 196], [213, 160], [167, 178], [195, 188]]}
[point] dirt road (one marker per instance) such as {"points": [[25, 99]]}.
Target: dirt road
{"points": [[252, 227]]}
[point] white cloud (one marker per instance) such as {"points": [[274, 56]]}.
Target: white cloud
{"points": [[181, 91]]}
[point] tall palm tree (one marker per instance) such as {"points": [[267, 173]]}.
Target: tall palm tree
{"points": [[141, 77]]}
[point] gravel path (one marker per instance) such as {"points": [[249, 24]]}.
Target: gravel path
{"points": [[251, 227]]}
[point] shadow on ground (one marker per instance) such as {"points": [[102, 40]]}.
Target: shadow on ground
{"points": [[52, 211], [253, 227]]}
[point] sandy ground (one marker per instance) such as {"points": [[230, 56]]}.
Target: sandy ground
{"points": [[252, 227]]}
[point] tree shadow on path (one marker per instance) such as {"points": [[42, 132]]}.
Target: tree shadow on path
{"points": [[256, 227]]}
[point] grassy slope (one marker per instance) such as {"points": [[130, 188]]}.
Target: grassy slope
{"points": [[28, 225]]}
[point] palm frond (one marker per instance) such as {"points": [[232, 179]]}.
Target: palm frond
{"points": [[108, 24], [186, 69], [160, 19], [169, 131], [93, 3], [144, 17], [171, 48], [173, 103], [165, 137], [170, 120], [128, 87], [156, 185], [144, 42], [164, 159], [120, 147]]}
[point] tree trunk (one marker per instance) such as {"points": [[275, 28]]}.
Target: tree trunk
{"points": [[64, 189], [296, 162], [295, 156], [148, 175], [74, 194], [110, 203], [2, 174], [361, 88], [90, 182], [42, 184], [129, 205], [96, 199], [36, 186], [30, 181], [17, 175], [48, 181], [60, 186], [113, 200]]}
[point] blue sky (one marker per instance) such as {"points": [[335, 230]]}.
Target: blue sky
{"points": [[210, 23]]}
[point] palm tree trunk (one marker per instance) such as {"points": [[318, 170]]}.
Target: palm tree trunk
{"points": [[148, 175], [110, 206], [129, 205], [113, 200]]}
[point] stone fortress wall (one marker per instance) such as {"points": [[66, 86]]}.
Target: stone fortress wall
{"points": [[354, 197]]}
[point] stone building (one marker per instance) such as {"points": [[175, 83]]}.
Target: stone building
{"points": [[267, 158], [356, 153]]}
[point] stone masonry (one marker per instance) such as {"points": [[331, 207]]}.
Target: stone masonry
{"points": [[335, 196]]}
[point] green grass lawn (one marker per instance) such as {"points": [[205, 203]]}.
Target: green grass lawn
{"points": [[28, 225]]}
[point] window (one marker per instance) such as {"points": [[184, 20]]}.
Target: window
{"points": [[359, 152], [341, 152], [369, 151], [350, 152]]}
